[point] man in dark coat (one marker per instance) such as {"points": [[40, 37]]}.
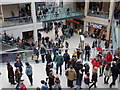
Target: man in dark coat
{"points": [[87, 52], [115, 71], [10, 73], [66, 58], [48, 57]]}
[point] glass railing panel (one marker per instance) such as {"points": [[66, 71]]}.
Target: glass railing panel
{"points": [[16, 21], [99, 14], [53, 16]]}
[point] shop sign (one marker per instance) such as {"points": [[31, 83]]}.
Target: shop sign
{"points": [[96, 26]]}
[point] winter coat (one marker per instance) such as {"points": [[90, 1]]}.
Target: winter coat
{"points": [[94, 77], [59, 60], [51, 80], [96, 63], [17, 76], [109, 58], [66, 57], [42, 51], [10, 71], [78, 66], [115, 70], [48, 58], [23, 87], [29, 70], [17, 64], [71, 74], [99, 49]]}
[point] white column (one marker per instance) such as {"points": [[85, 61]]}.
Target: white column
{"points": [[111, 13], [86, 12], [33, 11]]}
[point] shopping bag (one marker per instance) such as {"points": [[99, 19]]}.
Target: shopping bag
{"points": [[54, 65]]}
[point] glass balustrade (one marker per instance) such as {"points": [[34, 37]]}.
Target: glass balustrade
{"points": [[16, 21], [99, 14], [61, 15]]}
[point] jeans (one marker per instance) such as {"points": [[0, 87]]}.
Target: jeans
{"points": [[114, 78], [70, 83], [43, 59], [58, 68], [30, 78]]}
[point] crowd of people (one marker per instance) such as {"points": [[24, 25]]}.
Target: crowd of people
{"points": [[105, 65]]}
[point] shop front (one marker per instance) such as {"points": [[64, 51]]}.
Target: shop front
{"points": [[97, 30], [75, 24]]}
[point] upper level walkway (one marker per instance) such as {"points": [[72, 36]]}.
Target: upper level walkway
{"points": [[15, 21]]}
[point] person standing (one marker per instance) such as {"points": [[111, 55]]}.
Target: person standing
{"points": [[115, 71], [51, 78], [109, 57], [70, 76], [48, 57], [94, 78], [43, 52], [106, 44], [87, 52], [57, 85], [59, 62], [66, 58], [107, 73], [22, 86], [66, 44], [10, 74], [44, 85], [18, 65], [17, 75], [29, 72]]}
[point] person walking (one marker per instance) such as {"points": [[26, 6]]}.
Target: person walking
{"points": [[57, 85], [109, 57], [71, 75], [115, 71], [48, 57], [29, 72], [107, 73], [59, 62], [10, 74], [66, 58], [43, 52], [51, 78], [94, 78], [17, 75], [87, 52]]}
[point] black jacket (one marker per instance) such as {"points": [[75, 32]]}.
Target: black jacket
{"points": [[115, 70], [48, 58], [94, 77]]}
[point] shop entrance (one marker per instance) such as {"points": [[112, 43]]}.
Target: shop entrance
{"points": [[28, 35]]}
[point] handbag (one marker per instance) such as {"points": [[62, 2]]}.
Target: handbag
{"points": [[66, 73]]}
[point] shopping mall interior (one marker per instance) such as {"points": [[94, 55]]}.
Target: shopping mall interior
{"points": [[35, 34]]}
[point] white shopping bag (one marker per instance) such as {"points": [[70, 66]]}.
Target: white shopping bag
{"points": [[54, 65]]}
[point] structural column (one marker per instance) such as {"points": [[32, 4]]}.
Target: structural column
{"points": [[34, 17], [86, 12], [111, 13]]}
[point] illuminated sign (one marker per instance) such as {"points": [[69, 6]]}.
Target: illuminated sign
{"points": [[96, 26]]}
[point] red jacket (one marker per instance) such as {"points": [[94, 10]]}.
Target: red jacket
{"points": [[23, 87], [109, 58], [99, 49], [96, 63]]}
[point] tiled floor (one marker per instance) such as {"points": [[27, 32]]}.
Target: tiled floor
{"points": [[39, 69]]}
